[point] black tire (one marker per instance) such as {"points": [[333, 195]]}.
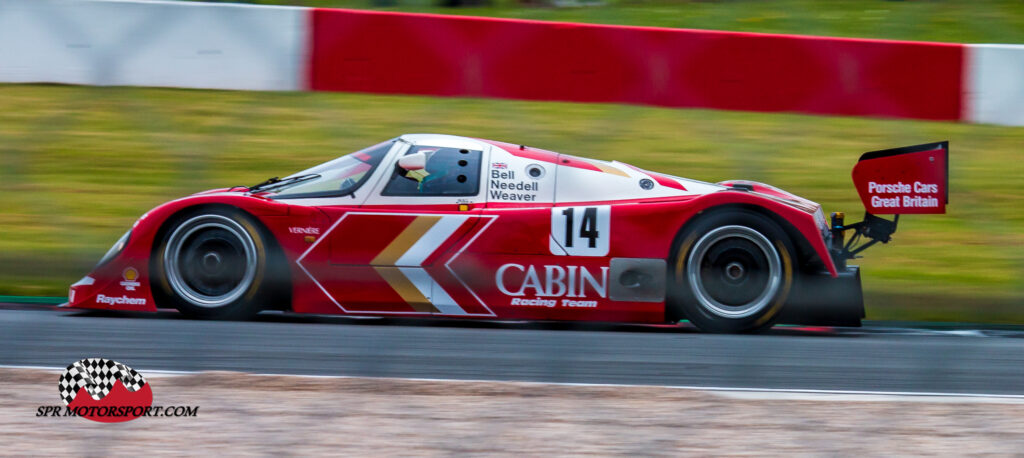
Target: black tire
{"points": [[730, 271], [212, 264]]}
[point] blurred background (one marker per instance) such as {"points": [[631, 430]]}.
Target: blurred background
{"points": [[79, 164], [962, 21]]}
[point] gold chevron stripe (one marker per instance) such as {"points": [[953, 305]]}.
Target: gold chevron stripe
{"points": [[406, 289], [405, 240], [609, 169]]}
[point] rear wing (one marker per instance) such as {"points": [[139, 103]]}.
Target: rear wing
{"points": [[901, 181], [898, 181]]}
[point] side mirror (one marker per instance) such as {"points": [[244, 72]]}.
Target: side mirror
{"points": [[411, 162]]}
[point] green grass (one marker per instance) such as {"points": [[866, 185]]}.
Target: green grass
{"points": [[964, 21], [81, 164]]}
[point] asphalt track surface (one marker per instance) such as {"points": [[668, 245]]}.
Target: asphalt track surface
{"points": [[961, 360]]}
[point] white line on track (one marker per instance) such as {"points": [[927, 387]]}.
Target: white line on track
{"points": [[759, 394], [61, 369]]}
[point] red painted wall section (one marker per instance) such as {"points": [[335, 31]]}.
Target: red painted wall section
{"points": [[400, 53]]}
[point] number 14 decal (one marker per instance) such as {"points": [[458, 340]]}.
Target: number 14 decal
{"points": [[580, 231]]}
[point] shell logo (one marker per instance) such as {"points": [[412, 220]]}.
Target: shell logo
{"points": [[130, 274]]}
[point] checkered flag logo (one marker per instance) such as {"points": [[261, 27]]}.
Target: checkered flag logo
{"points": [[98, 376]]}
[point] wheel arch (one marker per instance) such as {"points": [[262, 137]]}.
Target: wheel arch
{"points": [[807, 258], [277, 270]]}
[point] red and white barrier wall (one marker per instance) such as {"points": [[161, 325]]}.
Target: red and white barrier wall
{"points": [[187, 44]]}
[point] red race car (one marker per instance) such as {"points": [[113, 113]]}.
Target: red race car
{"points": [[439, 225]]}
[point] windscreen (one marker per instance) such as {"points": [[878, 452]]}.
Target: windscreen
{"points": [[335, 178]]}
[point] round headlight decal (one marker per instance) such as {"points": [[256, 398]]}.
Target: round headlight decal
{"points": [[535, 171]]}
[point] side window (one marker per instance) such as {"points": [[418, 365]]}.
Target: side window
{"points": [[446, 172]]}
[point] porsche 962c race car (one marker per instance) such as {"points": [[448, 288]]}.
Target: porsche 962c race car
{"points": [[438, 225]]}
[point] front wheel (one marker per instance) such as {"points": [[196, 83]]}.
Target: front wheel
{"points": [[212, 264], [731, 272]]}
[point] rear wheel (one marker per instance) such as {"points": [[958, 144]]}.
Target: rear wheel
{"points": [[212, 264], [732, 271]]}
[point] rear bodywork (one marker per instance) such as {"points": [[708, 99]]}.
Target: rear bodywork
{"points": [[548, 236]]}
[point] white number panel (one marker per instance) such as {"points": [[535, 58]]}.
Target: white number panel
{"points": [[580, 231]]}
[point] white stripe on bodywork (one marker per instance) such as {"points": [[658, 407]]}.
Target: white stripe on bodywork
{"points": [[431, 290], [410, 261], [443, 302], [446, 304], [419, 278], [85, 281], [431, 241]]}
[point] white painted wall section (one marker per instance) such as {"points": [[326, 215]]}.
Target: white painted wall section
{"points": [[995, 84], [179, 44]]}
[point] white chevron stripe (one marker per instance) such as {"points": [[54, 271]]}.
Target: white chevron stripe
{"points": [[410, 261], [420, 279], [443, 302], [431, 290], [431, 240]]}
